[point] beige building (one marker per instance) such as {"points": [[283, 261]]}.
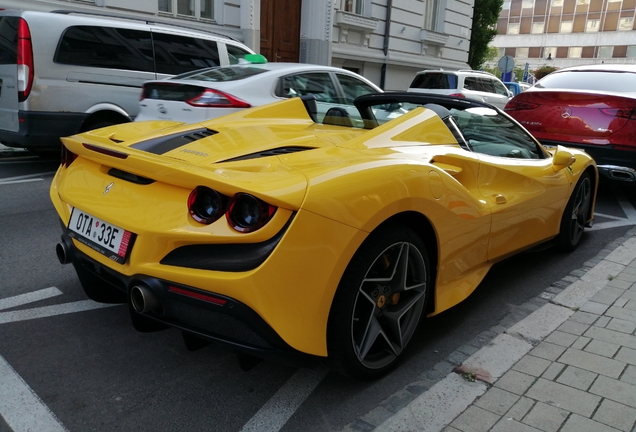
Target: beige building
{"points": [[354, 34], [564, 33]]}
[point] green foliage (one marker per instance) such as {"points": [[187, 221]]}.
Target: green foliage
{"points": [[543, 71], [485, 16]]}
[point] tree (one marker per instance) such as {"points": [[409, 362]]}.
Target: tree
{"points": [[485, 16]]}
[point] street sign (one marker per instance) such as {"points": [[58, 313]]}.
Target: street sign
{"points": [[506, 64]]}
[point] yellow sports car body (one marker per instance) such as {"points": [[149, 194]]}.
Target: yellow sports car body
{"points": [[286, 235]]}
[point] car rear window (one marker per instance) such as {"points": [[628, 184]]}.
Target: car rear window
{"points": [[222, 74], [590, 80], [435, 81], [9, 40]]}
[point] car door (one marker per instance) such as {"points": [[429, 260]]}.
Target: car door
{"points": [[517, 179]]}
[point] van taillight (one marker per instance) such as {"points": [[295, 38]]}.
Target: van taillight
{"points": [[25, 61]]}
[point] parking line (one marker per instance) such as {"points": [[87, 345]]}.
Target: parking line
{"points": [[31, 297], [20, 407], [48, 311], [279, 408], [25, 178]]}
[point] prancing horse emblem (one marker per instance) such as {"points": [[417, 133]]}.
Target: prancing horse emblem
{"points": [[108, 188]]}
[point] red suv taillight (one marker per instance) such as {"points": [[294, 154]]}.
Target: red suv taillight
{"points": [[25, 61]]}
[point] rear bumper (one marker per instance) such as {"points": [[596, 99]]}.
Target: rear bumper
{"points": [[232, 323], [616, 165], [42, 130]]}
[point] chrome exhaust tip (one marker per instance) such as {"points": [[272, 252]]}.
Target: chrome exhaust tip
{"points": [[143, 300]]}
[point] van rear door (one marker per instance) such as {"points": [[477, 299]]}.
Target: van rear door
{"points": [[9, 73]]}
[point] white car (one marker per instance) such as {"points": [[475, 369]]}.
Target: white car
{"points": [[471, 84], [212, 92]]}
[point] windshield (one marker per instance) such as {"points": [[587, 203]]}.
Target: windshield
{"points": [[221, 74]]}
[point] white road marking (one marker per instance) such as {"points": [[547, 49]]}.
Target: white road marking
{"points": [[20, 407], [280, 407], [25, 178], [48, 311], [31, 297]]}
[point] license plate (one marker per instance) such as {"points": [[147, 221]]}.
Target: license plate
{"points": [[106, 238]]}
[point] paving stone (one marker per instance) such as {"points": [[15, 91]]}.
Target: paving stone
{"points": [[553, 371], [564, 397], [594, 307], [497, 401], [621, 302], [629, 376], [602, 348], [622, 313], [626, 355], [576, 423], [619, 283], [520, 409], [612, 291], [532, 365], [593, 362], [581, 342], [602, 321], [361, 426], [618, 391], [515, 382], [546, 417], [604, 297], [626, 277], [616, 415], [621, 325], [573, 327], [475, 419], [577, 378], [398, 400], [631, 305], [508, 425], [548, 351], [561, 338], [377, 415], [612, 336], [450, 429], [630, 293], [584, 317]]}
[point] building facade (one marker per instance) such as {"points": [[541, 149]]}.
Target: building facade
{"points": [[387, 41], [565, 33]]}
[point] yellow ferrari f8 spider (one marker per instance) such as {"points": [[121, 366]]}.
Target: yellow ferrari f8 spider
{"points": [[287, 235]]}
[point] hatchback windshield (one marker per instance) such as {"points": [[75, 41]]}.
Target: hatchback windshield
{"points": [[590, 80]]}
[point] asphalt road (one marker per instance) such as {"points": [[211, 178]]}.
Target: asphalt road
{"points": [[75, 365]]}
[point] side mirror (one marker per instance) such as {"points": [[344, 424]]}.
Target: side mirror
{"points": [[562, 158]]}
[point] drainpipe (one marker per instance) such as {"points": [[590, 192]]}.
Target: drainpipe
{"points": [[385, 47]]}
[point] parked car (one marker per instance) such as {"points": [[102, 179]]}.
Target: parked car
{"points": [[212, 92], [64, 72], [282, 236], [592, 108], [471, 84], [516, 87]]}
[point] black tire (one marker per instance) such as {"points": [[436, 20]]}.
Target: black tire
{"points": [[97, 289], [575, 215], [378, 304]]}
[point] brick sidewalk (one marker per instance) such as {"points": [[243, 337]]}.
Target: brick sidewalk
{"points": [[569, 366]]}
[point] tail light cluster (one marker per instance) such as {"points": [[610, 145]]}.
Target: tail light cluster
{"points": [[211, 98], [459, 95], [516, 104], [628, 113], [245, 213], [25, 61], [67, 157]]}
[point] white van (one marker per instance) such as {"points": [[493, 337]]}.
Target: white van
{"points": [[65, 72]]}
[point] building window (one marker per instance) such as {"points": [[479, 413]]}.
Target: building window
{"points": [[605, 52], [353, 6], [522, 53], [527, 4], [193, 8], [592, 25], [575, 52], [549, 53], [557, 3], [626, 23], [582, 2], [631, 51], [505, 5], [432, 15], [513, 28], [566, 27], [538, 27]]}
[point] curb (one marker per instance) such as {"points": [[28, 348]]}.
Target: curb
{"points": [[430, 404]]}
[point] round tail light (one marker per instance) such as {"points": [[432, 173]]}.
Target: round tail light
{"points": [[248, 213], [206, 205]]}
